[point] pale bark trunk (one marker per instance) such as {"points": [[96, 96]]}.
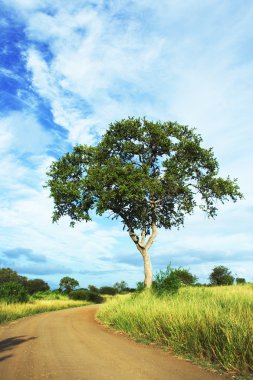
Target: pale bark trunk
{"points": [[147, 269], [143, 249]]}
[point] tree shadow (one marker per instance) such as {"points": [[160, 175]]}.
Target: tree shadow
{"points": [[10, 343]]}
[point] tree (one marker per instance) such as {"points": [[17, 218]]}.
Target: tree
{"points": [[37, 285], [240, 281], [185, 277], [120, 287], [67, 284], [147, 174], [221, 275], [10, 275], [93, 289]]}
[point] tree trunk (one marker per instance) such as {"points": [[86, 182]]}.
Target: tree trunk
{"points": [[143, 248], [147, 269]]}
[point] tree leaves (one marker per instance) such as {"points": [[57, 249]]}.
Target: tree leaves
{"points": [[142, 172]]}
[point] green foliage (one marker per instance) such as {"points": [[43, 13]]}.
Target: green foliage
{"points": [[9, 275], [139, 164], [120, 287], [13, 292], [167, 281], [240, 281], [221, 275], [86, 295], [185, 277], [107, 290], [94, 297], [37, 285], [78, 295], [49, 295], [93, 289], [67, 284], [140, 286]]}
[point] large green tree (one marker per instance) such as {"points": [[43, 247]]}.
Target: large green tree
{"points": [[147, 174]]}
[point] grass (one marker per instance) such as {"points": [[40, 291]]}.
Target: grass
{"points": [[213, 325], [10, 312]]}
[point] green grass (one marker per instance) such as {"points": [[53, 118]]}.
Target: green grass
{"points": [[10, 312], [213, 325]]}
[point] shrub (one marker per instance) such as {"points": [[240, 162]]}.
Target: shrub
{"points": [[78, 295], [107, 290], [185, 276], [86, 295], [13, 292], [48, 295], [140, 286], [36, 285], [94, 297], [240, 281], [166, 281]]}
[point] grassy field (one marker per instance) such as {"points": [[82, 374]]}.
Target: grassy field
{"points": [[10, 312], [213, 325]]}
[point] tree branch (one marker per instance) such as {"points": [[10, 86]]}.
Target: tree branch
{"points": [[152, 236], [143, 237]]}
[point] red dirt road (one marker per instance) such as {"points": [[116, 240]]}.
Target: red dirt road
{"points": [[71, 345]]}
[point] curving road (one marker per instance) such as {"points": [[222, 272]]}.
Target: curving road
{"points": [[71, 345]]}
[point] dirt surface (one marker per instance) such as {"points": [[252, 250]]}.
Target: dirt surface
{"points": [[71, 345]]}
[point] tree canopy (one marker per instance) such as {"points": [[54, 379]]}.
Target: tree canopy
{"points": [[221, 275], [67, 284], [147, 174]]}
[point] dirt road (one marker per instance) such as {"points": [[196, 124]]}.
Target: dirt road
{"points": [[71, 345]]}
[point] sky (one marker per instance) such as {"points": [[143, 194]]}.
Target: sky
{"points": [[68, 69]]}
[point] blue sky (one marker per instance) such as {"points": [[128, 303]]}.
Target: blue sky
{"points": [[68, 69]]}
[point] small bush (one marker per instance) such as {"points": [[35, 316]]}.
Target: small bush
{"points": [[94, 297], [107, 290], [78, 295], [140, 286], [166, 282], [86, 295], [13, 292], [48, 295]]}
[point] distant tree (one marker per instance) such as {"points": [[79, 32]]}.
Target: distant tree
{"points": [[240, 280], [221, 275], [185, 276], [120, 287], [10, 275], [67, 284], [93, 289], [107, 290], [147, 174], [36, 285]]}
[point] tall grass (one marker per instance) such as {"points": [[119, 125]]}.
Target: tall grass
{"points": [[211, 324], [10, 312]]}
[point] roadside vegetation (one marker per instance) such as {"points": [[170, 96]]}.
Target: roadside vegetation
{"points": [[12, 311], [212, 325], [20, 297]]}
